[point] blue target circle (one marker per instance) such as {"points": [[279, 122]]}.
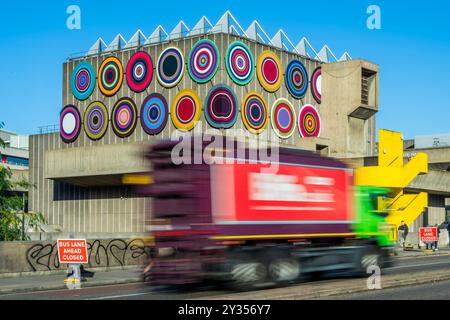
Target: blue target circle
{"points": [[154, 113], [296, 79]]}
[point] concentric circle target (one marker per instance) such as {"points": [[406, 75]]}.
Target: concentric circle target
{"points": [[254, 112], [110, 76], [240, 63], [203, 61], [139, 71], [283, 118], [154, 113], [309, 122], [82, 80], [170, 67], [95, 120], [221, 107], [124, 117], [316, 84], [269, 72], [185, 110], [69, 123], [296, 79]]}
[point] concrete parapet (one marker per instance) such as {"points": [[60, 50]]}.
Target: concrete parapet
{"points": [[38, 256]]}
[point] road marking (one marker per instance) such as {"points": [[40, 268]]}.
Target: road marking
{"points": [[420, 265], [119, 296]]}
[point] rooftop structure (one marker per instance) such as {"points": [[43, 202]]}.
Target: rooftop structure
{"points": [[226, 24]]}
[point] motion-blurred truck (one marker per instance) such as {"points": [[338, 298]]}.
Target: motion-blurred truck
{"points": [[250, 223]]}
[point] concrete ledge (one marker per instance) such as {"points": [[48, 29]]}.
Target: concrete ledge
{"points": [[46, 287], [95, 161], [64, 271]]}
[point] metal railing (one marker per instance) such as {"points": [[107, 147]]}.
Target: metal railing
{"points": [[48, 129]]}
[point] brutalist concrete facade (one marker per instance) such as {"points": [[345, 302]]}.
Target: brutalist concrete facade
{"points": [[78, 184]]}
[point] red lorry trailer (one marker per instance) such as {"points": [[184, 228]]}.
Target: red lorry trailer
{"points": [[250, 223]]}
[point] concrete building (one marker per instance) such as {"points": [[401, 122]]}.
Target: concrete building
{"points": [[79, 183], [15, 156]]}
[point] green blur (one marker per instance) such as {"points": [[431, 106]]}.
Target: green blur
{"points": [[370, 223]]}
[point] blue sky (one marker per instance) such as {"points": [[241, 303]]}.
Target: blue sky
{"points": [[412, 48]]}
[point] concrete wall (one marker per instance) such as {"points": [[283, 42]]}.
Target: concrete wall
{"points": [[36, 256], [221, 77], [435, 155], [435, 214], [341, 86], [81, 209]]}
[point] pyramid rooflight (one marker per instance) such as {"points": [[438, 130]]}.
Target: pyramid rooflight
{"points": [[226, 24], [201, 27], [136, 40], [117, 43]]}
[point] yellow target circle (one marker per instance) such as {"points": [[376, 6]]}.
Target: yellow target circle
{"points": [[185, 110], [269, 71], [254, 112], [110, 76]]}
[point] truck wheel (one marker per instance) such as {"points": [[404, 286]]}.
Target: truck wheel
{"points": [[368, 257], [284, 269], [246, 272]]}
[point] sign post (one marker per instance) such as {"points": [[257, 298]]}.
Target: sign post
{"points": [[74, 253]]}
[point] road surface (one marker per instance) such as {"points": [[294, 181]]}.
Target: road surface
{"points": [[403, 267], [431, 291]]}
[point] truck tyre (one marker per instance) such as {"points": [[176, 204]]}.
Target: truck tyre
{"points": [[284, 269], [247, 272], [368, 256]]}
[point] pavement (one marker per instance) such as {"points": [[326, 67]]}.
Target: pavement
{"points": [[56, 281], [419, 253], [412, 267]]}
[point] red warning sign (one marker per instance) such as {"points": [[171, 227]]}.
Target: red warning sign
{"points": [[428, 234], [72, 251]]}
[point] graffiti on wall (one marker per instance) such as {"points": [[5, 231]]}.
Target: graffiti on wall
{"points": [[102, 253]]}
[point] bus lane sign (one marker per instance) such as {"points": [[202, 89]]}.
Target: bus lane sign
{"points": [[73, 251]]}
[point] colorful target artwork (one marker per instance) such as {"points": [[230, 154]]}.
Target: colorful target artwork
{"points": [[124, 117], [316, 84], [203, 61], [139, 72], [69, 123], [154, 113], [82, 80], [269, 72], [254, 112], [283, 118], [240, 63], [309, 122], [185, 110], [221, 107], [296, 79], [110, 76], [170, 67], [95, 120]]}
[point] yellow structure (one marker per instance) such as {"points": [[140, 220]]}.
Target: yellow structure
{"points": [[392, 172]]}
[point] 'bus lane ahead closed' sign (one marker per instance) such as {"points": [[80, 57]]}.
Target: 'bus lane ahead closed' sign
{"points": [[429, 234], [72, 251]]}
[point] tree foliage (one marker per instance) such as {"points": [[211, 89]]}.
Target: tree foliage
{"points": [[2, 143], [12, 217]]}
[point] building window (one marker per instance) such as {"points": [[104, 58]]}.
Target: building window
{"points": [[15, 160]]}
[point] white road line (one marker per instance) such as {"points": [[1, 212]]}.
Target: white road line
{"points": [[119, 296], [420, 265]]}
